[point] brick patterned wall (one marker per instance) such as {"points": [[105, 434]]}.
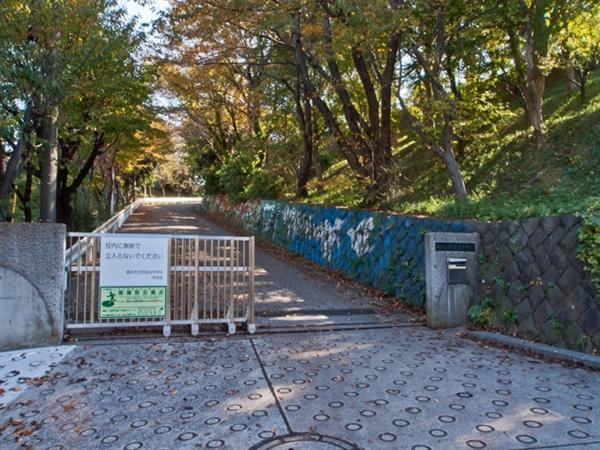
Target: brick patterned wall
{"points": [[530, 267]]}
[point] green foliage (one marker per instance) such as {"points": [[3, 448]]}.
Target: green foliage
{"points": [[85, 212], [502, 283], [583, 343], [578, 46], [488, 303], [211, 184], [264, 185], [589, 248], [556, 325], [235, 176], [242, 178], [509, 317], [79, 60], [506, 178], [479, 315]]}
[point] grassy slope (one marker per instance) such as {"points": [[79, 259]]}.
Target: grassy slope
{"points": [[505, 176]]}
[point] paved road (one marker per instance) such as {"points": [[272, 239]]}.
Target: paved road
{"points": [[281, 287], [396, 388]]}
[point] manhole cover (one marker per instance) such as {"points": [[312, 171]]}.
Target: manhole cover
{"points": [[305, 442]]}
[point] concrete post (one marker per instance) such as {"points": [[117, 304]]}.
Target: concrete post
{"points": [[450, 271]]}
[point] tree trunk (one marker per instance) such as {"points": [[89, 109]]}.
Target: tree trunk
{"points": [[64, 209], [458, 184], [2, 159], [26, 201], [382, 157], [12, 167], [380, 178], [67, 190], [346, 146], [571, 84], [582, 82], [63, 199], [534, 100], [308, 144], [540, 19], [13, 209], [25, 197], [111, 194], [49, 167], [4, 203]]}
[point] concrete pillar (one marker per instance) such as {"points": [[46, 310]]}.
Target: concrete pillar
{"points": [[450, 272]]}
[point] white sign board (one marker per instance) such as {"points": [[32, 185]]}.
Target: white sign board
{"points": [[133, 261], [133, 276]]}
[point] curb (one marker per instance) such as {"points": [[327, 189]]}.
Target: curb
{"points": [[573, 356]]}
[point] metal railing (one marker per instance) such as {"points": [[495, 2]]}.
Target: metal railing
{"points": [[75, 250], [210, 280]]}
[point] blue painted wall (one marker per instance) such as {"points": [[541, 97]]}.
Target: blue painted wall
{"points": [[382, 250]]}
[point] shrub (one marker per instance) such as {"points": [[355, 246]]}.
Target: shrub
{"points": [[509, 317], [479, 315], [589, 248]]}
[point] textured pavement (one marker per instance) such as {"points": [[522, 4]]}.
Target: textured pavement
{"points": [[396, 388], [18, 366]]}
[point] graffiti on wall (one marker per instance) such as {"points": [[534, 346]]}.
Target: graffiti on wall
{"points": [[382, 250]]}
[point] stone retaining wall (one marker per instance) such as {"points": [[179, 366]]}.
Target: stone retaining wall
{"points": [[530, 282]]}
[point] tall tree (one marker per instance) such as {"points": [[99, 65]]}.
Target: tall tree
{"points": [[336, 51], [77, 84], [577, 47], [439, 41], [530, 27]]}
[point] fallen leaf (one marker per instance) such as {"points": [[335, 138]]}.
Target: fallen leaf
{"points": [[16, 422], [22, 432], [69, 406]]}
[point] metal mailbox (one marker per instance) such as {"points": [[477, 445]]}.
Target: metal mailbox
{"points": [[457, 271]]}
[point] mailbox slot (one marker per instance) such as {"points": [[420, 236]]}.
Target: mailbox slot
{"points": [[457, 271]]}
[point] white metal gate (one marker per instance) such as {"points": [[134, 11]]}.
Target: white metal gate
{"points": [[210, 280]]}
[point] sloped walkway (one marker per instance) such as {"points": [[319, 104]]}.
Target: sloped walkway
{"points": [[286, 294]]}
